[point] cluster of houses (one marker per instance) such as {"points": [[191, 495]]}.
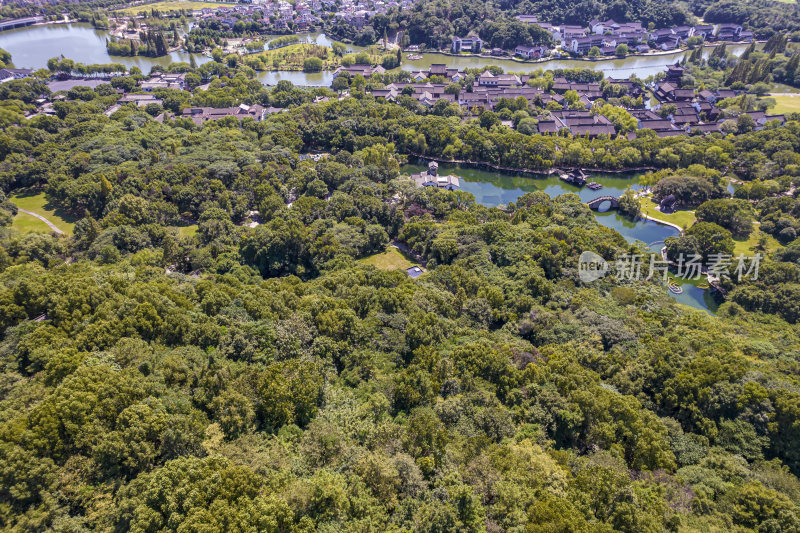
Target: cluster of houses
{"points": [[358, 12], [365, 70], [302, 15], [170, 80], [606, 36], [198, 115], [489, 88], [276, 15], [689, 112]]}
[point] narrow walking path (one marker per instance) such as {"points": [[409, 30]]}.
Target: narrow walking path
{"points": [[658, 220], [40, 217]]}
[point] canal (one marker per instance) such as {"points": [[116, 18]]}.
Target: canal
{"points": [[493, 189], [32, 46]]}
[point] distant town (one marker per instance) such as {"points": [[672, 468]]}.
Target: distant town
{"points": [[598, 38]]}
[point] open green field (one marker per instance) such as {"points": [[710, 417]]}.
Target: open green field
{"points": [[26, 223], [391, 259], [187, 231], [172, 5], [782, 88], [36, 203], [683, 219], [748, 246], [786, 104]]}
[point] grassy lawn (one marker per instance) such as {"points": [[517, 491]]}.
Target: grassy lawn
{"points": [[747, 247], [683, 219], [187, 231], [26, 223], [36, 203], [786, 104], [391, 259], [783, 88], [172, 5]]}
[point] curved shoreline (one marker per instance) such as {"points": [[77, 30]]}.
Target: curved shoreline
{"points": [[515, 170], [664, 53], [550, 172], [659, 221]]}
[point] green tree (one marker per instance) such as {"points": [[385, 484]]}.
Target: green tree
{"points": [[711, 239]]}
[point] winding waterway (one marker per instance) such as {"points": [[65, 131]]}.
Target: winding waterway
{"points": [[641, 65], [493, 189], [32, 46]]}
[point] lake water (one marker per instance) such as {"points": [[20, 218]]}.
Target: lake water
{"points": [[493, 189], [32, 46]]}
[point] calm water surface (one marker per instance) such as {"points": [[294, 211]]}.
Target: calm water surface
{"points": [[642, 66], [34, 45], [493, 189]]}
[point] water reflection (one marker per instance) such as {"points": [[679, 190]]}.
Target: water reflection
{"points": [[695, 296], [493, 189], [642, 66], [32, 46]]}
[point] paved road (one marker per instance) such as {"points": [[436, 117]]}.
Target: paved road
{"points": [[40, 217]]}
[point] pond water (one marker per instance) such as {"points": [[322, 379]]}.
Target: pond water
{"points": [[695, 296], [493, 189], [32, 46]]}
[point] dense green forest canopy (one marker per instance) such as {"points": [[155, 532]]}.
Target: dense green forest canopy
{"points": [[171, 367]]}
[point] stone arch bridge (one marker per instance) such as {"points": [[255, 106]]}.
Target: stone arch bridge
{"points": [[595, 203]]}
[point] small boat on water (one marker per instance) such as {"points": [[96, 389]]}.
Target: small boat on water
{"points": [[675, 288], [413, 57], [594, 186]]}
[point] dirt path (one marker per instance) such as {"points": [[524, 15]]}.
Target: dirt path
{"points": [[40, 217]]}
